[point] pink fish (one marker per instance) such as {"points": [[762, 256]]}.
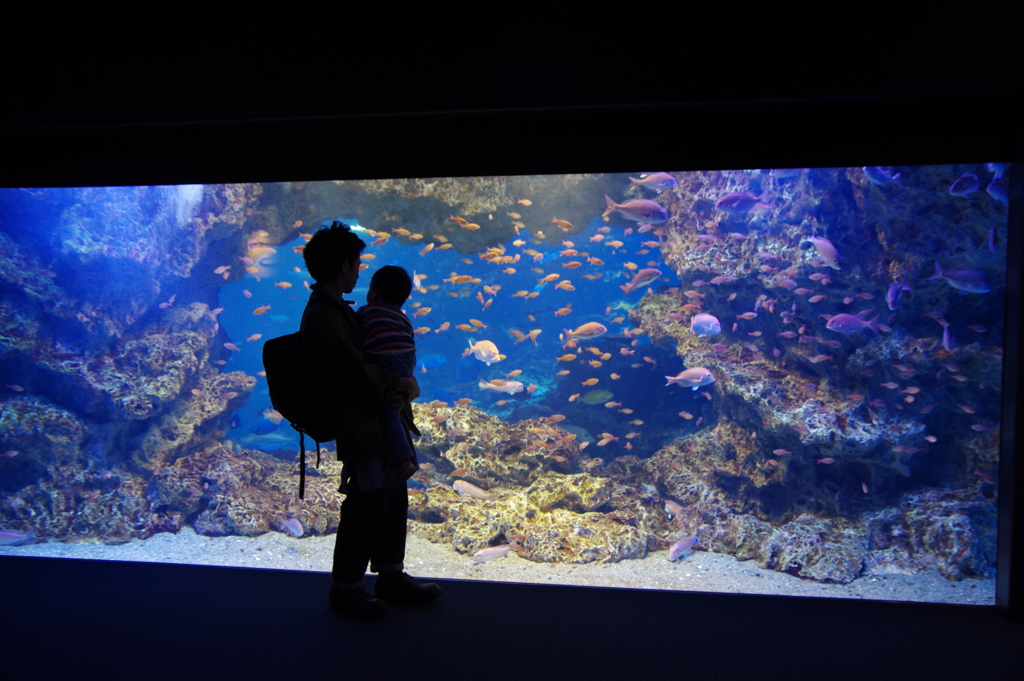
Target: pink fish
{"points": [[16, 538], [826, 251], [484, 555], [644, 277], [291, 527], [682, 547], [848, 323], [672, 508], [695, 378], [826, 460], [638, 210], [741, 202], [966, 281], [469, 489]]}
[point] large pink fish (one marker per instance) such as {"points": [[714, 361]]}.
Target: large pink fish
{"points": [[643, 278], [484, 555], [850, 323], [682, 547], [471, 490], [16, 538], [826, 251], [741, 202], [587, 331], [639, 210], [968, 281], [695, 378]]}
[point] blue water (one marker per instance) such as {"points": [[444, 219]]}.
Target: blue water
{"points": [[446, 374]]}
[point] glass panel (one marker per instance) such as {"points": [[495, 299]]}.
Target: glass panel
{"points": [[762, 381]]}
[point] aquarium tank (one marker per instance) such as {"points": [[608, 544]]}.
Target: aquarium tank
{"points": [[796, 368]]}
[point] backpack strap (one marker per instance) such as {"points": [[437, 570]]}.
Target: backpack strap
{"points": [[302, 463]]}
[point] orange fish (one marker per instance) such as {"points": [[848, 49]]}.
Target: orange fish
{"points": [[525, 202], [530, 388], [232, 346], [443, 327], [283, 284], [565, 358], [533, 294], [470, 225], [478, 323], [590, 381], [254, 337], [261, 310], [565, 285], [572, 265], [564, 311], [422, 311], [573, 397], [615, 377], [465, 327], [422, 329], [427, 249], [550, 277], [464, 400], [554, 418], [564, 224]]}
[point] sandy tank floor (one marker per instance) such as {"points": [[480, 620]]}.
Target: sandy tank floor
{"points": [[700, 571]]}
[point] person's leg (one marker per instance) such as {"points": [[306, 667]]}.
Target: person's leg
{"points": [[388, 554], [360, 524], [393, 585]]}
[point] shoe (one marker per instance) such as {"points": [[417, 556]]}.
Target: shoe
{"points": [[356, 603], [400, 589]]}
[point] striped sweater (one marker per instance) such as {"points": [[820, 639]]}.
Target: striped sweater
{"points": [[388, 338]]}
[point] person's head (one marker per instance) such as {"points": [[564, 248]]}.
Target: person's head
{"points": [[390, 284], [332, 252]]}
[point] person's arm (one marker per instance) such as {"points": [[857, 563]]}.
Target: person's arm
{"points": [[343, 373]]}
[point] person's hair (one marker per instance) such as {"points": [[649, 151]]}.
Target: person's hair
{"points": [[330, 249], [393, 283]]}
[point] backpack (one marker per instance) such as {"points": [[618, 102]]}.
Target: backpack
{"points": [[294, 396]]}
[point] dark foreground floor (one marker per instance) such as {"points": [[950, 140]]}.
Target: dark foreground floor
{"points": [[85, 619]]}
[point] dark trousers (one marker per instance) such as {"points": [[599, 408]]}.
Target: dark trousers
{"points": [[372, 530]]}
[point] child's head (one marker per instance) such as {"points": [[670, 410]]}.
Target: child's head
{"points": [[390, 284]]}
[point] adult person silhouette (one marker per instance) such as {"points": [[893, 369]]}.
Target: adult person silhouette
{"points": [[373, 523]]}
